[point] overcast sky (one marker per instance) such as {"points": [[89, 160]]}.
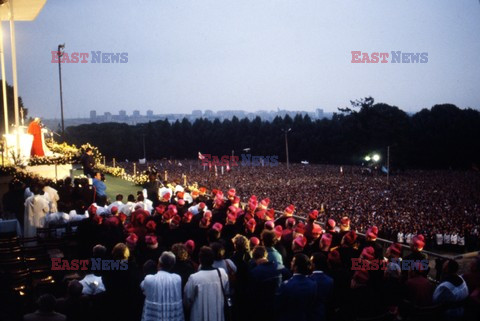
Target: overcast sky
{"points": [[247, 54]]}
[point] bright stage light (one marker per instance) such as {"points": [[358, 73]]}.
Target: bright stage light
{"points": [[376, 157], [367, 158]]}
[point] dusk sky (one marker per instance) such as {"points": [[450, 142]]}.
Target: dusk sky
{"points": [[247, 54]]}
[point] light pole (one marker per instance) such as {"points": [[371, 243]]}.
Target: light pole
{"points": [[388, 166], [60, 54], [286, 146]]}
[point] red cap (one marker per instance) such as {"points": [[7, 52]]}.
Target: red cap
{"points": [[232, 216], [207, 215], [368, 253], [194, 193], [176, 219], [331, 223], [160, 209], [290, 222], [181, 202], [201, 205], [180, 195], [151, 225], [217, 226], [313, 214], [300, 228], [114, 210], [252, 205], [260, 214], [151, 241], [418, 242], [350, 238], [236, 200], [395, 249], [187, 217], [300, 241], [92, 210], [166, 196], [278, 231], [231, 192], [173, 209], [190, 245], [132, 239], [270, 214], [289, 209], [345, 221], [372, 232], [269, 225], [251, 224], [264, 203], [254, 241], [326, 240], [317, 229], [361, 277], [122, 217], [202, 190]]}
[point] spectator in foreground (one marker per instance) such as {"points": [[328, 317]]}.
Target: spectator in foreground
{"points": [[45, 312], [163, 292]]}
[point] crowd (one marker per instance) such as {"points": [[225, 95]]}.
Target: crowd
{"points": [[203, 254]]}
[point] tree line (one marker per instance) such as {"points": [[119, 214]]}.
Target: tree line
{"points": [[444, 136]]}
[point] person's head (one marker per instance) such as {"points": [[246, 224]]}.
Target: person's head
{"points": [[98, 175], [450, 267], [131, 198], [319, 262], [301, 264], [120, 252], [119, 197], [166, 261], [205, 257], [75, 289], [46, 303], [149, 267], [180, 251], [393, 271], [218, 250], [259, 253], [37, 120], [268, 238], [99, 251], [241, 243]]}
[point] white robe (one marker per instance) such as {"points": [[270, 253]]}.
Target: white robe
{"points": [[204, 296], [53, 197], [36, 208], [163, 297]]}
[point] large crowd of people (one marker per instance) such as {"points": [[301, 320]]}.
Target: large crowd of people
{"points": [[198, 253]]}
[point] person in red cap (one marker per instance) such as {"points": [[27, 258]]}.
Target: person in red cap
{"points": [[371, 240], [312, 217], [348, 249], [287, 213], [332, 229], [250, 228], [152, 250], [417, 245], [313, 244]]}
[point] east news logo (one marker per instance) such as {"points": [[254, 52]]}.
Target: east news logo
{"points": [[396, 57]]}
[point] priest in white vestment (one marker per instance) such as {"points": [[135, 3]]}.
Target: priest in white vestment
{"points": [[36, 209], [203, 294], [163, 292]]}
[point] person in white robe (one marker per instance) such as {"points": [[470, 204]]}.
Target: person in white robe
{"points": [[36, 209], [203, 295], [53, 197], [163, 292]]}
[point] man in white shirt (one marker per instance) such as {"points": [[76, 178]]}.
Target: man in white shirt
{"points": [[36, 209], [439, 238], [400, 237], [163, 292], [118, 203], [128, 208]]}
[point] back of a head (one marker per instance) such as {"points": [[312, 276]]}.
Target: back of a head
{"points": [[301, 264], [268, 238], [241, 243], [119, 197], [205, 256], [167, 261], [218, 250], [131, 198], [99, 251], [46, 303], [180, 251], [451, 267], [319, 261], [75, 289], [120, 252], [259, 252]]}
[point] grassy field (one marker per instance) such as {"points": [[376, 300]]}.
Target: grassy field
{"points": [[116, 185]]}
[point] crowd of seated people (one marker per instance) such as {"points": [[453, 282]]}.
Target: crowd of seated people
{"points": [[194, 254]]}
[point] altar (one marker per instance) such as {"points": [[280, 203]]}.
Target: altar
{"points": [[25, 143]]}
